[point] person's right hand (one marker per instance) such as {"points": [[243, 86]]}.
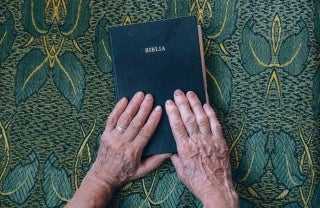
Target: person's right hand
{"points": [[202, 162], [129, 128]]}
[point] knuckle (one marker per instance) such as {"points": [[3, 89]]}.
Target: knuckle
{"points": [[125, 118], [137, 124], [119, 145], [189, 120], [146, 133], [203, 121], [178, 126], [130, 152], [183, 102], [111, 120], [216, 126]]}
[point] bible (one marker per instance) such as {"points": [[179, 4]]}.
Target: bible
{"points": [[158, 57]]}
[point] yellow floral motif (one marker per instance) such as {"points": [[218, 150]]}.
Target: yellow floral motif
{"points": [[276, 32], [4, 136], [4, 36], [148, 192], [34, 20], [56, 5], [198, 8], [206, 10], [84, 147], [6, 147], [215, 82], [57, 192], [127, 20], [233, 146], [306, 154], [276, 44], [53, 44]]}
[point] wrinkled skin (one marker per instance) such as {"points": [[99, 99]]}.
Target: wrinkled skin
{"points": [[120, 151], [202, 162], [129, 128]]}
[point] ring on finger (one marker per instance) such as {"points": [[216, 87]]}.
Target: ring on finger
{"points": [[120, 129]]}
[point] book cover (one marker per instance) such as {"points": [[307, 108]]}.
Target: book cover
{"points": [[158, 58]]}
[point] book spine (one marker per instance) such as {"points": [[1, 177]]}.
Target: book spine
{"points": [[203, 64], [113, 67]]}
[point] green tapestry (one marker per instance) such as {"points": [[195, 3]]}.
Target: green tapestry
{"points": [[56, 91]]}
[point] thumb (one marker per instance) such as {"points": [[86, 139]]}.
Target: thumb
{"points": [[178, 166], [150, 164]]}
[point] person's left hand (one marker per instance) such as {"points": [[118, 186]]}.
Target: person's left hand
{"points": [[202, 162]]}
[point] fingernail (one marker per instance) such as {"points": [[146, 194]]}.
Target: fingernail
{"points": [[139, 94], [148, 97], [207, 106], [178, 92], [169, 102], [157, 108], [191, 94], [122, 99]]}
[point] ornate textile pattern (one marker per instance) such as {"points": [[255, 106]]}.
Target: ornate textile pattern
{"points": [[56, 90]]}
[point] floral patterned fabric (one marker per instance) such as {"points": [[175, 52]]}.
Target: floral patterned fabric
{"points": [[56, 90]]}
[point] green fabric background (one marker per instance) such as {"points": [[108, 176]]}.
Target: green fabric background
{"points": [[56, 90]]}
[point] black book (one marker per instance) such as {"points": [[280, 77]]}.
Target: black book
{"points": [[158, 58]]}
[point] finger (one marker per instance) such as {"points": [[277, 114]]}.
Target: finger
{"points": [[150, 164], [177, 126], [213, 120], [131, 110], [201, 116], [186, 113], [139, 120], [176, 162], [220, 143], [115, 114], [148, 129], [178, 166]]}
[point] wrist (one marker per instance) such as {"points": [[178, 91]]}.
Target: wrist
{"points": [[219, 204], [228, 199], [96, 177], [93, 192]]}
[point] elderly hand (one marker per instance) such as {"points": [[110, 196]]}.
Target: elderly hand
{"points": [[129, 128], [202, 162]]}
